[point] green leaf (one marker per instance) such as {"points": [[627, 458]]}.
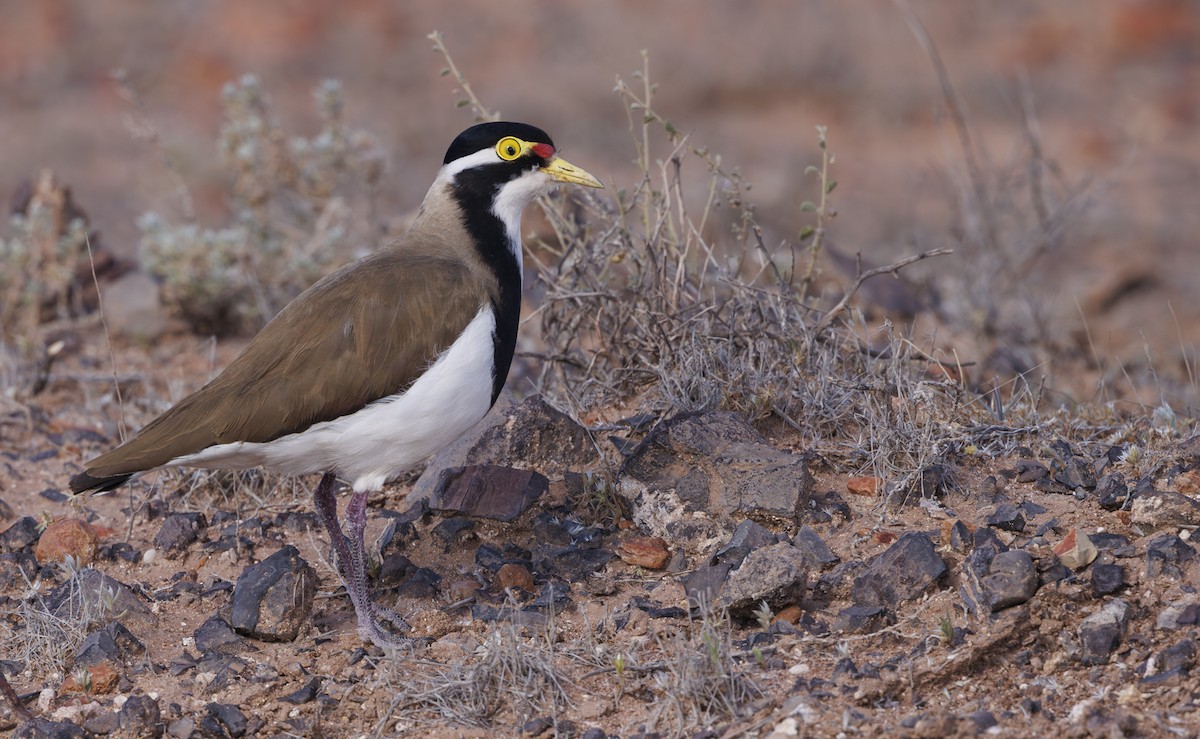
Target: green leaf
{"points": [[807, 232], [461, 103], [808, 207], [445, 71], [811, 169], [829, 186]]}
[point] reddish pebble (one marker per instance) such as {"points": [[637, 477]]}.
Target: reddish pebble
{"points": [[867, 485], [649, 552], [514, 576], [94, 679], [1188, 482], [68, 536], [791, 614]]}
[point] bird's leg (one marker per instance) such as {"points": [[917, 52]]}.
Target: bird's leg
{"points": [[356, 580], [325, 501], [351, 556]]}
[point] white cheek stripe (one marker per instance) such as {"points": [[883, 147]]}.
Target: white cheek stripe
{"points": [[387, 437]]}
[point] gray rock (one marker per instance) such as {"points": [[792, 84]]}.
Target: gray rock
{"points": [[182, 728], [43, 728], [1181, 655], [140, 717], [1107, 579], [807, 540], [1165, 554], [1069, 468], [776, 574], [695, 474], [1100, 632], [6, 511], [571, 563], [487, 491], [1007, 518], [1112, 492], [704, 583], [216, 637], [1161, 509], [1030, 471], [902, 572], [1179, 615], [110, 643], [179, 531], [21, 534], [1012, 579], [273, 599], [747, 537], [860, 619], [527, 435], [223, 719]]}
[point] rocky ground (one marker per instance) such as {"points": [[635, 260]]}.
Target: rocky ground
{"points": [[716, 581], [1021, 566]]}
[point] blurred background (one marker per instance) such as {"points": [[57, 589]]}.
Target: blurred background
{"points": [[1076, 139]]}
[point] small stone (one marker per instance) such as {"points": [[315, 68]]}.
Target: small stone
{"points": [[91, 584], [392, 570], [140, 717], [512, 575], [704, 583], [20, 535], [572, 564], [6, 511], [68, 537], [1011, 580], [1076, 550], [860, 619], [215, 636], [1100, 632], [791, 614], [958, 534], [304, 694], [1007, 518], [96, 679], [182, 728], [1181, 655], [1161, 509], [178, 532], [1031, 471], [1112, 492], [110, 643], [487, 491], [102, 723], [904, 571], [449, 529], [1178, 615], [462, 589], [867, 486], [809, 542], [224, 717], [649, 552], [422, 584], [273, 599], [43, 728], [776, 574], [747, 537], [1107, 579], [1164, 555]]}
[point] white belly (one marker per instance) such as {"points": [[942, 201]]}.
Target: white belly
{"points": [[389, 436]]}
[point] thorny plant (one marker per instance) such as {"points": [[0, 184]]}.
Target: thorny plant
{"points": [[508, 672], [52, 630]]}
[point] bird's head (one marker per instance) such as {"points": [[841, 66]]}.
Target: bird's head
{"points": [[508, 164]]}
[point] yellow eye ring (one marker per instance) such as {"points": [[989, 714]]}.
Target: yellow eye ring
{"points": [[509, 148]]}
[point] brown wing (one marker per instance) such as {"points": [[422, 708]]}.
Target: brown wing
{"points": [[361, 334]]}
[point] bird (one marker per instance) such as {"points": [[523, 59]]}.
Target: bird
{"points": [[379, 365]]}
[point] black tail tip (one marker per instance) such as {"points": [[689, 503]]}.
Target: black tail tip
{"points": [[84, 482]]}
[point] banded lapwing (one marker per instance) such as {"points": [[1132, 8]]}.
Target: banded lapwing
{"points": [[381, 364]]}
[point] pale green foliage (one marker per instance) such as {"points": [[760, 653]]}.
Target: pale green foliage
{"points": [[301, 207]]}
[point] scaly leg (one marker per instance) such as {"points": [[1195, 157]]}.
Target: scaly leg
{"points": [[351, 557]]}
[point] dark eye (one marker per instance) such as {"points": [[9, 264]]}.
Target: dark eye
{"points": [[509, 148]]}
